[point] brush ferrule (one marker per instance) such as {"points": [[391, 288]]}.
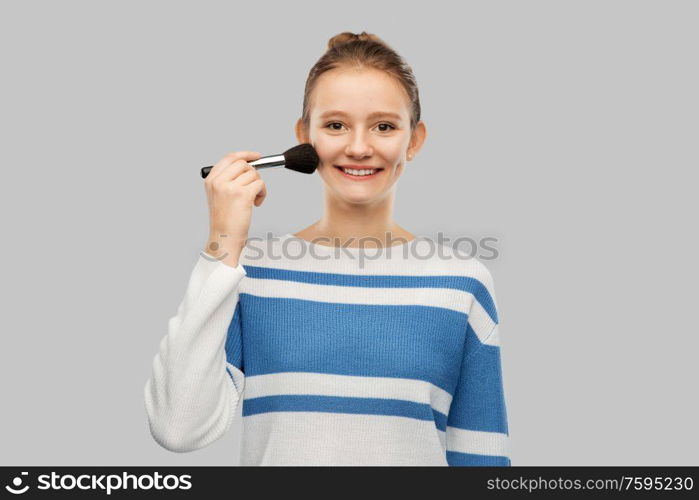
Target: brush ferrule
{"points": [[269, 161]]}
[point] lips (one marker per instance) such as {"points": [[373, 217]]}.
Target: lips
{"points": [[360, 177]]}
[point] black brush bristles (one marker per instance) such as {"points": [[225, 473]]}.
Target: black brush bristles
{"points": [[302, 158]]}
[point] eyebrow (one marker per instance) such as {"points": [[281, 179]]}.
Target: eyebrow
{"points": [[372, 115]]}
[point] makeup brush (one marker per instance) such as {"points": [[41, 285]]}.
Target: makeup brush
{"points": [[301, 158]]}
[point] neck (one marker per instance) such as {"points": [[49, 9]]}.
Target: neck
{"points": [[372, 223]]}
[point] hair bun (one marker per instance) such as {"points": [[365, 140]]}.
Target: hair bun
{"points": [[348, 36]]}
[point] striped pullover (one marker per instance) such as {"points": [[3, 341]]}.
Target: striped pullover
{"points": [[338, 356]]}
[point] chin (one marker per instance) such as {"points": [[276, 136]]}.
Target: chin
{"points": [[360, 199]]}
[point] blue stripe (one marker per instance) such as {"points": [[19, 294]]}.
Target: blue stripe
{"points": [[472, 341], [463, 283], [338, 404], [293, 335], [479, 400], [456, 459], [234, 340], [440, 420]]}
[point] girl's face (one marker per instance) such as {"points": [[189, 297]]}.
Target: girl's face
{"points": [[360, 118]]}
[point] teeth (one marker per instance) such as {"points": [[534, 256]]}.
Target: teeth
{"points": [[358, 172]]}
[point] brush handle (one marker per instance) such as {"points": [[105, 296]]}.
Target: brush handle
{"points": [[264, 162]]}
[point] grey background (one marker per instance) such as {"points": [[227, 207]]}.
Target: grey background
{"points": [[567, 130]]}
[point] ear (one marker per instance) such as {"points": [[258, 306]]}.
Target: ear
{"points": [[417, 139], [301, 134]]}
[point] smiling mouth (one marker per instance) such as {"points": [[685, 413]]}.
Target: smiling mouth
{"points": [[359, 174]]}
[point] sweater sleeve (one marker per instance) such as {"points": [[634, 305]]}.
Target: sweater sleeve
{"points": [[193, 391], [477, 428]]}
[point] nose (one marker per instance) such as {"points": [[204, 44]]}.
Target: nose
{"points": [[359, 145]]}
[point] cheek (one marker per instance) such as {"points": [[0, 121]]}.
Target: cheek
{"points": [[327, 149], [393, 151]]}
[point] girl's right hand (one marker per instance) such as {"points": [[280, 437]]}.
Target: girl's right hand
{"points": [[233, 186]]}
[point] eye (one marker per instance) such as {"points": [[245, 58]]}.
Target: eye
{"points": [[388, 124], [330, 125]]}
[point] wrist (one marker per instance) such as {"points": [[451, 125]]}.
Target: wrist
{"points": [[222, 238], [219, 245], [226, 255]]}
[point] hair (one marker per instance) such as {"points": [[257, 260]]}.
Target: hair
{"points": [[364, 50]]}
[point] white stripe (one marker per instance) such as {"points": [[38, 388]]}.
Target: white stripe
{"points": [[447, 298], [442, 439], [478, 442], [482, 324], [323, 384], [319, 438], [494, 338]]}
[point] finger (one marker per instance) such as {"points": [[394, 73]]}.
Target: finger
{"points": [[247, 177], [233, 171], [256, 187], [261, 195], [231, 158]]}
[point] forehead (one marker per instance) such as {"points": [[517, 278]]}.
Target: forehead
{"points": [[358, 92]]}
